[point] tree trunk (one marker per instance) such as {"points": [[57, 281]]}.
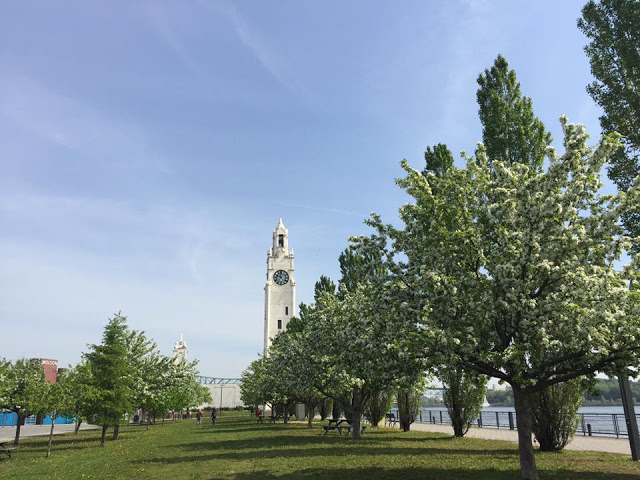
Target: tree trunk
{"points": [[104, 434], [53, 421], [17, 439], [528, 470], [312, 413], [77, 429], [335, 409], [357, 407], [116, 431], [456, 420]]}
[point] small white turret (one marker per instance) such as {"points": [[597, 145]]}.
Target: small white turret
{"points": [[180, 351]]}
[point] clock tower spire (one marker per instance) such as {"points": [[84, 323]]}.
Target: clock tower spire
{"points": [[280, 288]]}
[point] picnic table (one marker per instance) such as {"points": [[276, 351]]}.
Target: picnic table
{"points": [[340, 424], [5, 448], [272, 418]]}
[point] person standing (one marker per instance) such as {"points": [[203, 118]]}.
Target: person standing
{"points": [[214, 415], [199, 417]]}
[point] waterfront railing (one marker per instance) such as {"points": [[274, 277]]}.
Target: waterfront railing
{"points": [[589, 424]]}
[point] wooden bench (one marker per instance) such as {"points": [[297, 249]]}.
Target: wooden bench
{"points": [[390, 419], [5, 448]]}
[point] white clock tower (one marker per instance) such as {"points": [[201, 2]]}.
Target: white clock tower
{"points": [[280, 289]]}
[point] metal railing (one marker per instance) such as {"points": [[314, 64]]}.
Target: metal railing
{"points": [[217, 381], [601, 424]]}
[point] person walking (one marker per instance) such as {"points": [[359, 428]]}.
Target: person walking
{"points": [[214, 415], [199, 417]]}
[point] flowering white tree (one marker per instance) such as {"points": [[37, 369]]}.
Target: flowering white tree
{"points": [[510, 271], [357, 338], [293, 370]]}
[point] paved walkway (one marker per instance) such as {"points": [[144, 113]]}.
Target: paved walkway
{"points": [[9, 433], [579, 442]]}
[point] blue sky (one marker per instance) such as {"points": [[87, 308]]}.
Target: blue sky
{"points": [[148, 148]]}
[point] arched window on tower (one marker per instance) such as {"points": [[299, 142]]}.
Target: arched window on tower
{"points": [[281, 240], [279, 324]]}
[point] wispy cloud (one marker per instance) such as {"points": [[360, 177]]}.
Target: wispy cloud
{"points": [[264, 52], [75, 125], [324, 209], [160, 19]]}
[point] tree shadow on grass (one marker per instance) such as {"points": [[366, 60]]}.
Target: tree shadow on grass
{"points": [[284, 441], [416, 473], [240, 453]]}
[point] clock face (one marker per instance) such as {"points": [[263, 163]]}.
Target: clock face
{"points": [[281, 277]]}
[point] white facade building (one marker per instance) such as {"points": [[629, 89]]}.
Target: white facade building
{"points": [[280, 289], [225, 392]]}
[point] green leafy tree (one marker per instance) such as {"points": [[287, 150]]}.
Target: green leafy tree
{"points": [[510, 131], [378, 405], [180, 390], [463, 396], [254, 388], [612, 29], [152, 376], [112, 380], [554, 413], [23, 389], [358, 267], [438, 160], [408, 397], [500, 398], [81, 384], [324, 284], [324, 408], [519, 280], [57, 400]]}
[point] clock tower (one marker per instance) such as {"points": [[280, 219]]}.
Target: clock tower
{"points": [[280, 289]]}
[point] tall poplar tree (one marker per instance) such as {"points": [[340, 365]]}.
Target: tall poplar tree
{"points": [[511, 133], [613, 29]]}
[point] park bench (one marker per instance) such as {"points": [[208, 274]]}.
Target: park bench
{"points": [[5, 448], [390, 420]]}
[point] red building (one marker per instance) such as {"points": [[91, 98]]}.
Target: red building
{"points": [[50, 369]]}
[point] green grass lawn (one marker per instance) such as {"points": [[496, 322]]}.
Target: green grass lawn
{"points": [[238, 448]]}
